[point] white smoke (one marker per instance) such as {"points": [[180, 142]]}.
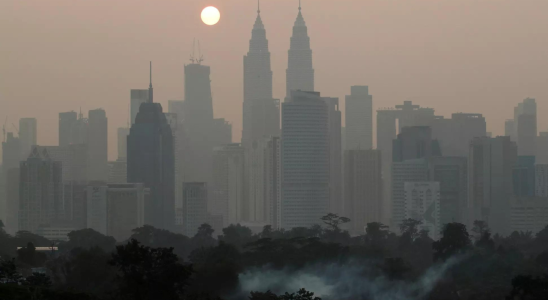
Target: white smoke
{"points": [[343, 281]]}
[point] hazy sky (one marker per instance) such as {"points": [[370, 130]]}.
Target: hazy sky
{"points": [[479, 56]]}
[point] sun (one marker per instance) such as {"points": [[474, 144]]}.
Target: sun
{"points": [[210, 15]]}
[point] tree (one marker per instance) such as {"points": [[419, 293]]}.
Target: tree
{"points": [[29, 256], [24, 237], [8, 272], [529, 288], [236, 235], [268, 295], [455, 240], [84, 270], [220, 265], [302, 294], [149, 273], [204, 237], [409, 231], [161, 238], [88, 238], [395, 268], [333, 221]]}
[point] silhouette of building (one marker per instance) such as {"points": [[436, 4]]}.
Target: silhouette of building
{"points": [[11, 152], [407, 171], [525, 122], [137, 97], [524, 176], [541, 180], [273, 181], [528, 214], [299, 73], [96, 202], [452, 175], [490, 188], [415, 142], [117, 171], [74, 159], [542, 148], [509, 129], [194, 206], [150, 160], [122, 134], [222, 132], [125, 209], [198, 121], [98, 145], [305, 160], [28, 132], [227, 188], [363, 188], [422, 203], [359, 119], [455, 134], [335, 155], [41, 194], [261, 120], [67, 122], [11, 217]]}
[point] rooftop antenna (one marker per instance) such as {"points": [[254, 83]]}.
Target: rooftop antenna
{"points": [[4, 128], [200, 59], [192, 59], [150, 89]]}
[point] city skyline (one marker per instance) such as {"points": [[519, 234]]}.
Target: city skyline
{"points": [[387, 74]]}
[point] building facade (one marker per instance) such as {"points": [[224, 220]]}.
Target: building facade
{"points": [[305, 160], [362, 188], [28, 134], [194, 207], [422, 203], [359, 119], [97, 145]]}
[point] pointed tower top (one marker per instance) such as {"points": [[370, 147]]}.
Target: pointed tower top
{"points": [[299, 4], [150, 89], [258, 6]]}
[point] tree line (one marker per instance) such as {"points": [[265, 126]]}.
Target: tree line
{"points": [[159, 264]]}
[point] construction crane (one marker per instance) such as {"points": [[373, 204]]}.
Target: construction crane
{"points": [[15, 127]]}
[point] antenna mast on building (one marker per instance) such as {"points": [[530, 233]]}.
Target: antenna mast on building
{"points": [[4, 129], [200, 58], [192, 59]]}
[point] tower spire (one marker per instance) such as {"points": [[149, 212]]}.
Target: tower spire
{"points": [[150, 89], [258, 6], [299, 4]]}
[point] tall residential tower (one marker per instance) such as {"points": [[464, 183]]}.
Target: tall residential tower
{"points": [[299, 74]]}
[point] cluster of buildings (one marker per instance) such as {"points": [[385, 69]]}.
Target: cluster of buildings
{"points": [[296, 161]]}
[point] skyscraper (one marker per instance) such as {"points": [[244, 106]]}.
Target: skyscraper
{"points": [[261, 119], [525, 130], [136, 98], [194, 206], [300, 73], [490, 187], [452, 175], [150, 160], [11, 152], [362, 188], [422, 203], [415, 142], [509, 129], [198, 122], [98, 145], [359, 119], [542, 148], [227, 188], [122, 134], [40, 197], [67, 121], [455, 134], [335, 155], [305, 160], [414, 170], [27, 135], [273, 178]]}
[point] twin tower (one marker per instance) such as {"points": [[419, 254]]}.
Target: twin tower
{"points": [[261, 112]]}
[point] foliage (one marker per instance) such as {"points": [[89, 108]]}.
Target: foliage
{"points": [[28, 255], [149, 273], [455, 240], [86, 239]]}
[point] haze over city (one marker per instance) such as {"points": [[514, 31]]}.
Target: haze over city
{"points": [[274, 150], [453, 56]]}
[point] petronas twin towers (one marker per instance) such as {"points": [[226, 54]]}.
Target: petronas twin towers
{"points": [[261, 113]]}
